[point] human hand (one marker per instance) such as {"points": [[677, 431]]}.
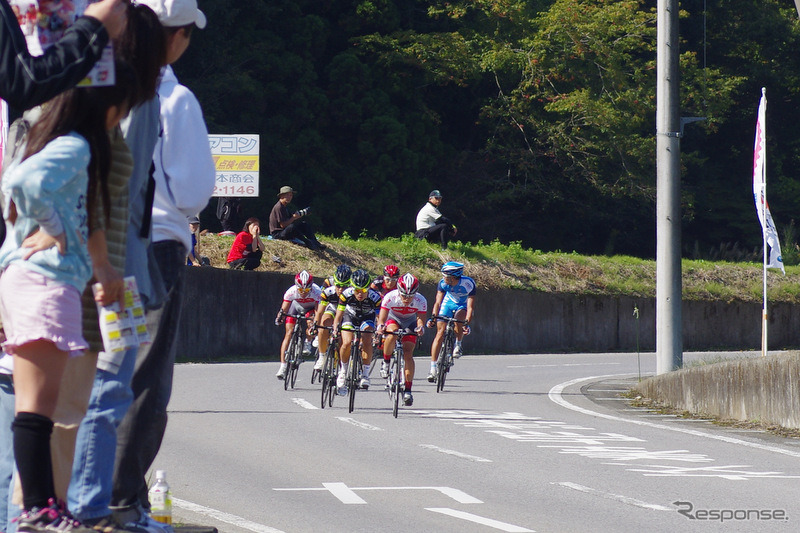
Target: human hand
{"points": [[112, 13], [112, 285], [429, 323], [419, 330], [380, 329], [279, 319], [39, 241]]}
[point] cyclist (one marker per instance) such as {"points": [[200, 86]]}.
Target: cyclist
{"points": [[356, 310], [402, 308], [455, 298], [388, 282], [300, 299], [326, 310]]}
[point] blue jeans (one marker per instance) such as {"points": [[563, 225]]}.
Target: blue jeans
{"points": [[7, 509], [142, 430], [89, 494]]}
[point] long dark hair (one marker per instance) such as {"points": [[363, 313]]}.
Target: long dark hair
{"points": [[83, 110], [143, 45]]}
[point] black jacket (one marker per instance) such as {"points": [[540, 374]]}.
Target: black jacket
{"points": [[27, 81]]}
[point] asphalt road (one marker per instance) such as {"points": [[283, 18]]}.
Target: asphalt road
{"points": [[515, 443]]}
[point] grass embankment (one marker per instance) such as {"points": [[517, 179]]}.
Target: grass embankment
{"points": [[497, 265]]}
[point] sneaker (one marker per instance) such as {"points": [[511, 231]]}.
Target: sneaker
{"points": [[307, 348], [385, 369], [432, 376], [281, 371], [104, 524], [457, 351], [408, 399], [341, 380], [364, 383], [320, 362], [51, 518]]}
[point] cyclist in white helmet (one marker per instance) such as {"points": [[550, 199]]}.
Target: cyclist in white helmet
{"points": [[301, 298]]}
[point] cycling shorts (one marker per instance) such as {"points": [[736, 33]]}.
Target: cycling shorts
{"points": [[330, 310], [297, 309], [449, 309], [411, 324], [352, 322]]}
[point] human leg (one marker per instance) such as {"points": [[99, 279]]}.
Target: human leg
{"points": [[140, 434], [408, 357], [6, 445]]}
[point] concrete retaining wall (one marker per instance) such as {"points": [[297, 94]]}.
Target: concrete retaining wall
{"points": [[761, 389], [229, 314]]}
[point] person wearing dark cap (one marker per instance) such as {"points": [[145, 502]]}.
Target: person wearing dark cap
{"points": [[431, 224], [288, 226]]}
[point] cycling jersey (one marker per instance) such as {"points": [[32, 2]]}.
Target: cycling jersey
{"points": [[402, 313], [330, 299], [379, 285], [357, 313], [301, 304], [458, 293]]}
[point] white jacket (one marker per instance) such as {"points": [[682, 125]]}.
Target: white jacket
{"points": [[184, 168]]}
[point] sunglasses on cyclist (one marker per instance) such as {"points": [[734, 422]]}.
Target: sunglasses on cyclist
{"points": [[304, 291], [361, 291], [342, 285]]}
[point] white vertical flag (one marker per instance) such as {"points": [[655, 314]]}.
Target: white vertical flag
{"points": [[760, 188]]}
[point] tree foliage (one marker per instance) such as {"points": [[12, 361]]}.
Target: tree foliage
{"points": [[535, 118]]}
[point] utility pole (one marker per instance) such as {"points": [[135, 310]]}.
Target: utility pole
{"points": [[669, 330]]}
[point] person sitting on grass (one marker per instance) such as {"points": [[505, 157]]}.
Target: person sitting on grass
{"points": [[247, 247]]}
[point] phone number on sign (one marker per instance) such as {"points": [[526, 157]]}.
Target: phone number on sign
{"points": [[233, 190]]}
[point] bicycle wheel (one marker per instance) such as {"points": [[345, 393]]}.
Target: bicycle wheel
{"points": [[289, 360], [327, 378], [354, 373], [397, 378], [316, 373], [334, 354], [441, 363]]}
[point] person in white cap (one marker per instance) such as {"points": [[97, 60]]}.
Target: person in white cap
{"points": [[184, 177]]}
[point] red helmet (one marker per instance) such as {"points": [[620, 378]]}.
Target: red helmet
{"points": [[391, 271], [408, 285], [303, 280]]}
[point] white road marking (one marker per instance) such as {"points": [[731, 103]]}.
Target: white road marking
{"points": [[339, 489], [473, 458], [233, 520], [615, 497], [556, 396], [304, 403], [356, 423], [496, 524], [344, 493]]}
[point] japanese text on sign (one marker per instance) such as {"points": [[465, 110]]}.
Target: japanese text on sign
{"points": [[236, 163]]}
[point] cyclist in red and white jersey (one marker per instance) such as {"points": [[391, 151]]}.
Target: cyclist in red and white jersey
{"points": [[403, 308], [300, 299], [388, 282]]}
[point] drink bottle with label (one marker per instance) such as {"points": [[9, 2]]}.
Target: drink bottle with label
{"points": [[161, 499]]}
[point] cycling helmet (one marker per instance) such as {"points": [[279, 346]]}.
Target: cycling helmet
{"points": [[408, 285], [453, 268], [342, 275], [303, 280], [360, 279], [391, 271]]}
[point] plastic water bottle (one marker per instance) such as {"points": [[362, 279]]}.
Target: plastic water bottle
{"points": [[161, 499]]}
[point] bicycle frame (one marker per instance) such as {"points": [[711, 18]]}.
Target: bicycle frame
{"points": [[445, 358]]}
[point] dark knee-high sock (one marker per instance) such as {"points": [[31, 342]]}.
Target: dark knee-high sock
{"points": [[32, 453]]}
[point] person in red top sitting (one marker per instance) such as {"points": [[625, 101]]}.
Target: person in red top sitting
{"points": [[247, 247]]}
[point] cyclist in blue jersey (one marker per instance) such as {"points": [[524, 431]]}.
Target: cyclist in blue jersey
{"points": [[455, 298]]}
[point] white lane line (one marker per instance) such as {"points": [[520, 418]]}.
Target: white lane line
{"points": [[556, 396], [612, 496], [358, 424], [496, 524], [344, 493], [304, 403], [473, 458], [233, 520]]}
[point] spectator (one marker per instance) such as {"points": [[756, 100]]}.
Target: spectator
{"points": [[431, 225], [192, 259], [229, 213], [286, 226], [247, 247]]}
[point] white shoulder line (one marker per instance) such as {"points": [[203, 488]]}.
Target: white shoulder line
{"points": [[555, 395]]}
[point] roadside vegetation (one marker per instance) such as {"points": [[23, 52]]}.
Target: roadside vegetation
{"points": [[496, 265]]}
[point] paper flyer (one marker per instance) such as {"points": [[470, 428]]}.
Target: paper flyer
{"points": [[127, 329], [44, 22]]}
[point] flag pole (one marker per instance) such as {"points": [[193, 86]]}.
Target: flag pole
{"points": [[764, 230]]}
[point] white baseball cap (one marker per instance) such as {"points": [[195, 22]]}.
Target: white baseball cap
{"points": [[176, 13]]}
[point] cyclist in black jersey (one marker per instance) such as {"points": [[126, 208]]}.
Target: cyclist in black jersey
{"points": [[326, 311], [357, 307]]}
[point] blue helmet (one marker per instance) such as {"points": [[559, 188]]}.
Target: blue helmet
{"points": [[453, 268]]}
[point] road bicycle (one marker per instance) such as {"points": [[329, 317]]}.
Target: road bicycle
{"points": [[327, 375], [395, 381], [445, 358], [354, 368], [294, 352]]}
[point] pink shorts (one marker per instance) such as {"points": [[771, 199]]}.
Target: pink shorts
{"points": [[36, 307]]}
